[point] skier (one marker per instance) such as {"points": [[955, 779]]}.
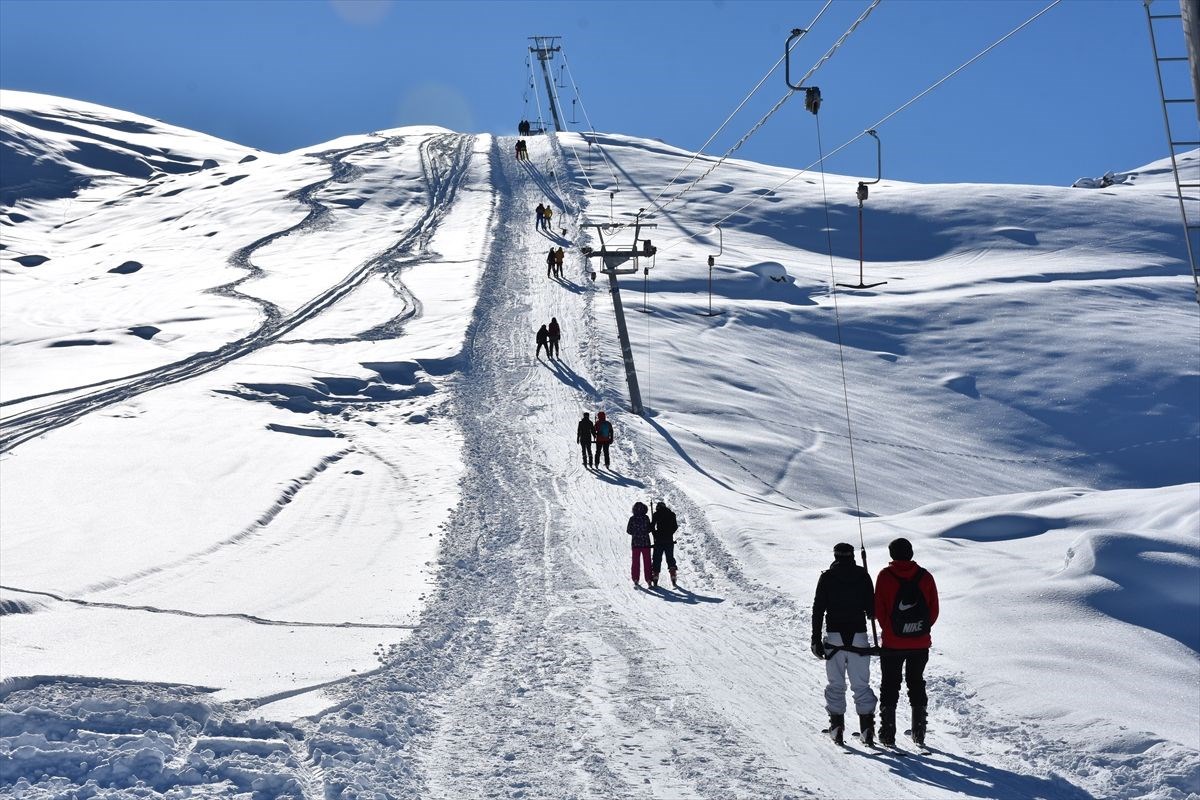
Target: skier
{"points": [[583, 436], [844, 600], [906, 605], [555, 334], [638, 529], [604, 437], [559, 255], [550, 263], [663, 525], [543, 340], [539, 211]]}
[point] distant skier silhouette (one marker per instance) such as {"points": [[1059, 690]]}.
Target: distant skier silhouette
{"points": [[555, 334], [604, 437], [638, 529], [583, 436], [543, 340]]}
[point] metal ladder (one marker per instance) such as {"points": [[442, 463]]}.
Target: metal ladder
{"points": [[1189, 15]]}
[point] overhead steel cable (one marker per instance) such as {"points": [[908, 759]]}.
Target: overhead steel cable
{"points": [[595, 137], [874, 127], [740, 106], [758, 125]]}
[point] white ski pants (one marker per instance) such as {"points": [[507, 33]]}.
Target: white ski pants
{"points": [[858, 667]]}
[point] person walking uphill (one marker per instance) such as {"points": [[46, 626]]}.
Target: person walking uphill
{"points": [[906, 605], [550, 263], [843, 601], [663, 525], [604, 437], [583, 436], [543, 340], [638, 529], [559, 255], [555, 334], [539, 212]]}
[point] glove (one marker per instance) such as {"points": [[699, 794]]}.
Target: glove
{"points": [[818, 648]]}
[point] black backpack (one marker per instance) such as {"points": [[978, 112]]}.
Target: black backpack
{"points": [[910, 612]]}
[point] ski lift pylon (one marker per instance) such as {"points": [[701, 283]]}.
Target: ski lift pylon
{"points": [[613, 257]]}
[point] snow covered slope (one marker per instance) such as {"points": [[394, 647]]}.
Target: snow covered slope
{"points": [[288, 508]]}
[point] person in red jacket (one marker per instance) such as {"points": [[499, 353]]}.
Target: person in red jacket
{"points": [[906, 605]]}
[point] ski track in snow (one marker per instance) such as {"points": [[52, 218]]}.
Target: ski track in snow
{"points": [[444, 160], [536, 670]]}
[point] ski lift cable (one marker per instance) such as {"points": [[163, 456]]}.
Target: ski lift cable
{"points": [[837, 318], [758, 125], [591, 127], [741, 105], [537, 98], [874, 127]]}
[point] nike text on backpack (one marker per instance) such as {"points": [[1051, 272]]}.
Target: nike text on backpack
{"points": [[910, 612]]}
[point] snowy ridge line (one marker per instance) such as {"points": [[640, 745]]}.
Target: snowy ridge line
{"points": [[445, 158], [214, 615]]}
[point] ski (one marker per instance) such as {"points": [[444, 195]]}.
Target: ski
{"points": [[828, 734], [921, 748]]}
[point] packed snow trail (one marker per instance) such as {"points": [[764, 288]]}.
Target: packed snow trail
{"points": [[444, 159], [539, 670]]}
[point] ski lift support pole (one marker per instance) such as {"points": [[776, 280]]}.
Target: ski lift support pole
{"points": [[862, 196], [712, 261], [545, 48]]}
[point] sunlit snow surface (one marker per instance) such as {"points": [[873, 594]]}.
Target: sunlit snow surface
{"points": [[288, 507]]}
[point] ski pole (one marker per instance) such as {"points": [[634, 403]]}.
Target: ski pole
{"points": [[863, 550]]}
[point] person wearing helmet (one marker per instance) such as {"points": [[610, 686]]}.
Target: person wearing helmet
{"points": [[638, 529], [604, 437]]}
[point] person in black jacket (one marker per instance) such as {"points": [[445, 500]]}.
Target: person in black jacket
{"points": [[663, 525], [583, 435], [844, 600]]}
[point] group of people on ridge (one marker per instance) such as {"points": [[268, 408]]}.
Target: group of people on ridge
{"points": [[522, 150], [547, 337], [524, 128], [599, 432], [904, 601], [662, 527]]}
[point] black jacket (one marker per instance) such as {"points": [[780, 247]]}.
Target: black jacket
{"points": [[583, 431], [844, 599], [664, 525]]}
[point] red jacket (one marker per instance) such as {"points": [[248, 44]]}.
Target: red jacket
{"points": [[886, 587]]}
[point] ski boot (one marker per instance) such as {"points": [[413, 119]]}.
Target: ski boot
{"points": [[674, 584], [866, 728], [887, 726], [653, 582], [918, 725], [837, 728]]}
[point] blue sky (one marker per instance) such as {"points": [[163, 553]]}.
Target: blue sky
{"points": [[1072, 95]]}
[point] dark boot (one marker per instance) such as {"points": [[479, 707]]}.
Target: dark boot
{"points": [[887, 725], [674, 583], [918, 725], [837, 728], [866, 728]]}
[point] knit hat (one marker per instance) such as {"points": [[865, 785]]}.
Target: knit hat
{"points": [[900, 550], [843, 551]]}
